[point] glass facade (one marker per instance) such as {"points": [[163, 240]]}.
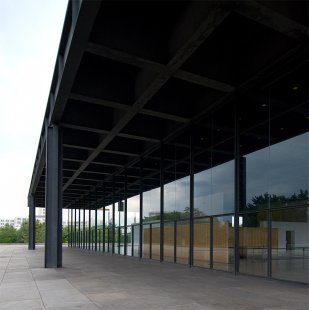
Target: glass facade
{"points": [[231, 193]]}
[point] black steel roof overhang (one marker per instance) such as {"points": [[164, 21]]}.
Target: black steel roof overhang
{"points": [[130, 76]]}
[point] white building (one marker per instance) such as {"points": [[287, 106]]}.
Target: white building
{"points": [[16, 222], [40, 214]]}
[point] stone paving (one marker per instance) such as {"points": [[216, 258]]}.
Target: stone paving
{"points": [[92, 280]]}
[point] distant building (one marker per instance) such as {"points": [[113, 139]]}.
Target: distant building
{"points": [[15, 222], [40, 215]]}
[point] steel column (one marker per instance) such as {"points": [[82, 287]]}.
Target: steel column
{"points": [[95, 229], [161, 203], [113, 225], [175, 241], [125, 215], [89, 229], [84, 227], [69, 237], [191, 201], [104, 227], [79, 235], [31, 205], [238, 189], [72, 235], [53, 199], [141, 212], [75, 225], [269, 244]]}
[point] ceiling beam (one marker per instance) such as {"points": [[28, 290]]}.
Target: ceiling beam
{"points": [[106, 132], [272, 19], [215, 17], [156, 67]]}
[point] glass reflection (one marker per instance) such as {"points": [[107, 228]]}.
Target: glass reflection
{"points": [[177, 199], [146, 240], [223, 243], [155, 241], [182, 242], [151, 206], [169, 241], [253, 243], [201, 247], [290, 255], [214, 190]]}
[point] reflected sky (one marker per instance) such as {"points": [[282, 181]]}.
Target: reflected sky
{"points": [[281, 169]]}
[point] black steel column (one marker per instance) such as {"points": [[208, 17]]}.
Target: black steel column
{"points": [[175, 241], [53, 198], [269, 245], [125, 215], [72, 235], [69, 237], [119, 228], [113, 225], [161, 203], [150, 240], [79, 235], [211, 243], [95, 229], [103, 237], [141, 212], [84, 227], [31, 205], [89, 229], [238, 188], [75, 226], [191, 201]]}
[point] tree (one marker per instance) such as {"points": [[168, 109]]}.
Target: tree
{"points": [[8, 234], [39, 232], [65, 234], [23, 232]]}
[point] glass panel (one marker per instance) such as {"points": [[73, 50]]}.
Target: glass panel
{"points": [[81, 220], [177, 189], [182, 242], [116, 229], [108, 226], [290, 239], [289, 166], [122, 236], [169, 241], [223, 243], [177, 199], [201, 247], [155, 246], [222, 161], [202, 194], [129, 240], [100, 228], [135, 236], [133, 210], [151, 205], [222, 196], [253, 243], [254, 149], [86, 233], [146, 241]]}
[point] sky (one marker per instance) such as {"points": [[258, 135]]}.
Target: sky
{"points": [[30, 33]]}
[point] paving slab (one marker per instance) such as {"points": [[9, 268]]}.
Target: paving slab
{"points": [[91, 280]]}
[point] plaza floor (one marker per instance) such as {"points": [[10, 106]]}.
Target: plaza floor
{"points": [[90, 280]]}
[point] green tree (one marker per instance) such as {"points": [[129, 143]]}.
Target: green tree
{"points": [[65, 234], [39, 232], [8, 234], [23, 232]]}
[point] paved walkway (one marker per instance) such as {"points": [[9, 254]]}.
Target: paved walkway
{"points": [[91, 280]]}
